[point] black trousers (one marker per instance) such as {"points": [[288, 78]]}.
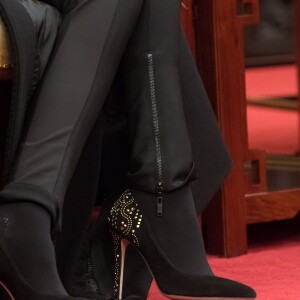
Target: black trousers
{"points": [[70, 97], [93, 38]]}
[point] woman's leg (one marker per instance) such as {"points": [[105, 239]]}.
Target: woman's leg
{"points": [[161, 164], [90, 45], [157, 213]]}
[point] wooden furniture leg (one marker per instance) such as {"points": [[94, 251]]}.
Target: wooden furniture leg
{"points": [[220, 55]]}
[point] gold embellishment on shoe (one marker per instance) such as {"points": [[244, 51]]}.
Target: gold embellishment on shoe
{"points": [[116, 242], [125, 220], [125, 217]]}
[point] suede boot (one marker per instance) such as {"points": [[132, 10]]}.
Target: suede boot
{"points": [[27, 259]]}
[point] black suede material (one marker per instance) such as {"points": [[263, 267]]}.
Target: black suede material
{"points": [[170, 280], [177, 231], [14, 193], [25, 238]]}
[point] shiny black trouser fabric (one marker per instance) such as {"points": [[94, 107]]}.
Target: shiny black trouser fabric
{"points": [[75, 87]]}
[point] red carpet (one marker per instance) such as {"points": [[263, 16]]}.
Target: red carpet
{"points": [[273, 268]]}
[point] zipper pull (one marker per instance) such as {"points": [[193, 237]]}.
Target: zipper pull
{"points": [[159, 200]]}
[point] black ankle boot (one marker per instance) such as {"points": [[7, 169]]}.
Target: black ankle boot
{"points": [[178, 211], [27, 260], [162, 242]]}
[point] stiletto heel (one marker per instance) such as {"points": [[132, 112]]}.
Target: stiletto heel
{"points": [[120, 247], [129, 225]]}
